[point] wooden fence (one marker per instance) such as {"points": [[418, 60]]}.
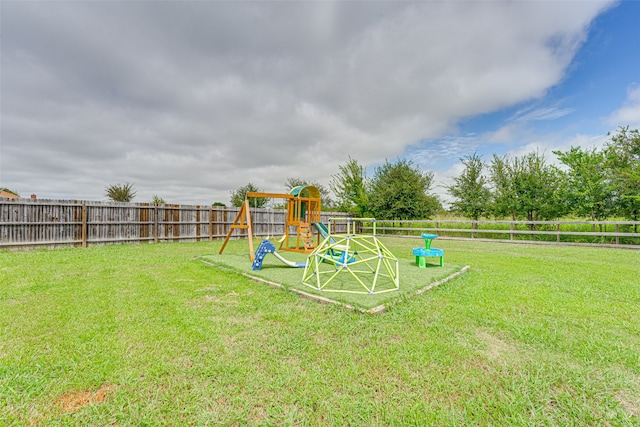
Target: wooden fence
{"points": [[606, 233], [29, 223]]}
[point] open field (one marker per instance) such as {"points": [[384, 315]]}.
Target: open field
{"points": [[149, 335]]}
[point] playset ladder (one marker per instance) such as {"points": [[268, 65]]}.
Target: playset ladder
{"points": [[306, 235]]}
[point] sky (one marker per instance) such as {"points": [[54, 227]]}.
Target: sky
{"points": [[190, 100]]}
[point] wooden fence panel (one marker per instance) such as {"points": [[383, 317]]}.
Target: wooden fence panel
{"points": [[28, 223], [40, 223]]}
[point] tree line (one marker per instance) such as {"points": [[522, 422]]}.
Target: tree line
{"points": [[589, 183], [592, 183]]}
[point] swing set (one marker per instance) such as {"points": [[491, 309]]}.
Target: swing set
{"points": [[303, 209]]}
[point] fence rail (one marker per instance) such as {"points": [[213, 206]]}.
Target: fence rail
{"points": [[28, 223], [609, 233]]}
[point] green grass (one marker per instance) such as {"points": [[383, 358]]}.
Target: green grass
{"points": [[149, 335]]}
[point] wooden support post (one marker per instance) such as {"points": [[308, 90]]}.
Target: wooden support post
{"points": [[225, 217], [155, 224], [242, 222], [197, 223], [210, 223], [84, 225], [175, 218], [249, 232]]}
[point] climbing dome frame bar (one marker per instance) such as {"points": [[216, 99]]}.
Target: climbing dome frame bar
{"points": [[351, 223], [360, 257]]}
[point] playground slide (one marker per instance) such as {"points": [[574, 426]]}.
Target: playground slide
{"points": [[266, 247], [322, 229], [289, 263]]}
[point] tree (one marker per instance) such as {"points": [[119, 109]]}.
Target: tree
{"points": [[157, 200], [120, 192], [218, 204], [527, 188], [239, 195], [350, 187], [325, 195], [400, 191], [623, 163], [589, 189], [470, 190], [504, 201]]}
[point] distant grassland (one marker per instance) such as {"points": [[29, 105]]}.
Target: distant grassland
{"points": [[565, 231], [135, 335]]}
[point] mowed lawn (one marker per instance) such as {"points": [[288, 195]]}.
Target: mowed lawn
{"points": [[141, 335]]}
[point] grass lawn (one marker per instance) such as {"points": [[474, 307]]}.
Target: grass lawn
{"points": [[150, 335]]}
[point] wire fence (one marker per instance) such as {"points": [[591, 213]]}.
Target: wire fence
{"points": [[606, 233]]}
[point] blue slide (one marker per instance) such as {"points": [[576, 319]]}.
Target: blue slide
{"points": [[266, 247]]}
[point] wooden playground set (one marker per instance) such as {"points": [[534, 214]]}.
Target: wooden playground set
{"points": [[303, 209]]}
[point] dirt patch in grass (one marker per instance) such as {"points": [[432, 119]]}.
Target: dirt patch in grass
{"points": [[631, 404], [76, 400], [495, 348], [207, 299]]}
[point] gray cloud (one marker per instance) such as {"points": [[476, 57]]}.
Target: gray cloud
{"points": [[190, 100]]}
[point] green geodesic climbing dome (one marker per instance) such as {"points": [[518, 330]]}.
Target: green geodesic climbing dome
{"points": [[358, 264]]}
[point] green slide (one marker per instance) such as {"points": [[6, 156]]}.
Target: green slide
{"points": [[322, 229]]}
